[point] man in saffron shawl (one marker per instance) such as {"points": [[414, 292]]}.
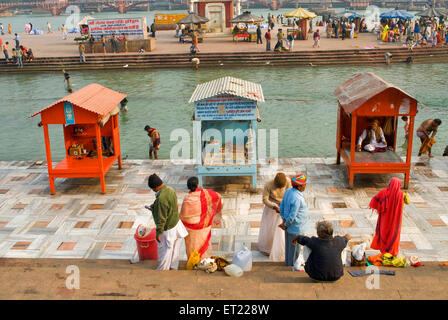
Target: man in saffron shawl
{"points": [[197, 212], [389, 205]]}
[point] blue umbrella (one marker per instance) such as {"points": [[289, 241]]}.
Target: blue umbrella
{"points": [[396, 14]]}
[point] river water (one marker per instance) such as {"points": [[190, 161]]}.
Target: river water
{"points": [[299, 103]]}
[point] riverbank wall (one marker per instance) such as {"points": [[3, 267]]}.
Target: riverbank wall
{"points": [[233, 59]]}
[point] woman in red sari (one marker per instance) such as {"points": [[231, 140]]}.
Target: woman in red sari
{"points": [[389, 205], [197, 212]]}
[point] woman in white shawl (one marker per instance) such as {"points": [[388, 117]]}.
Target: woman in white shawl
{"points": [[271, 239]]}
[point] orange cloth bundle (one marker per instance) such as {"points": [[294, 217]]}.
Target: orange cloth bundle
{"points": [[427, 145], [376, 260]]}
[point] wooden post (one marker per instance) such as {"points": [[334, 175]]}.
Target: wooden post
{"points": [[338, 136], [409, 151], [352, 151], [395, 131], [117, 146], [99, 150], [49, 163], [116, 137]]}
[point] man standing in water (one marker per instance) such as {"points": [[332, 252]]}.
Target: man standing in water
{"points": [[67, 78], [424, 131], [154, 146]]}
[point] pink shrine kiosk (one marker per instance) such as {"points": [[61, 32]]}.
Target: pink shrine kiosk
{"points": [[363, 98], [89, 117]]}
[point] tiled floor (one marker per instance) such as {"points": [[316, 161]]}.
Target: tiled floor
{"points": [[80, 222]]}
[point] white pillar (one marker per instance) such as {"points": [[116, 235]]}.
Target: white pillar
{"points": [[238, 7], [190, 5]]}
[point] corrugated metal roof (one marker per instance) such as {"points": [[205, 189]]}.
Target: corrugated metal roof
{"points": [[94, 98], [228, 85], [357, 90]]}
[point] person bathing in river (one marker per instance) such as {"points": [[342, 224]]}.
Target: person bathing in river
{"points": [[424, 132], [154, 145], [375, 142]]}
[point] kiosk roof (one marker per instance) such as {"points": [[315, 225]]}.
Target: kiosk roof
{"points": [[228, 85], [356, 91], [94, 98]]}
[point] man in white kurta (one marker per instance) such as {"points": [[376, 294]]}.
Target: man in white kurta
{"points": [[373, 144], [169, 228]]}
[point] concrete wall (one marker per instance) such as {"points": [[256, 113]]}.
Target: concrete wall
{"points": [[133, 46]]}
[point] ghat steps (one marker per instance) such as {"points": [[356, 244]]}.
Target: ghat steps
{"points": [[235, 59]]}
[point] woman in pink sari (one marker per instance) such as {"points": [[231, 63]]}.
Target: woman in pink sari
{"points": [[197, 212]]}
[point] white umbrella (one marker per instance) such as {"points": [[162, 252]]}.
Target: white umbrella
{"points": [[84, 20]]}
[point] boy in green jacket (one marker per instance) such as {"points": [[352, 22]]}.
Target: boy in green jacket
{"points": [[169, 229]]}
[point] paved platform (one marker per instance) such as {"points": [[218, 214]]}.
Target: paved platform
{"points": [[117, 279], [80, 222]]}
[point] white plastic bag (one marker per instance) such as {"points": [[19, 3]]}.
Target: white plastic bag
{"points": [[299, 264], [233, 270], [243, 259], [358, 251]]}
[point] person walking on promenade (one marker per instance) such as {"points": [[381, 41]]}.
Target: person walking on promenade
{"points": [[197, 212], [169, 229], [1, 29], [316, 38], [5, 51], [17, 40], [9, 28], [64, 32], [48, 26], [103, 43], [114, 43], [352, 30], [344, 30], [259, 40], [417, 32], [19, 55], [294, 213], [388, 203], [153, 30], [154, 145], [424, 132], [125, 42], [291, 41], [82, 51], [324, 262], [267, 36], [271, 238], [280, 37]]}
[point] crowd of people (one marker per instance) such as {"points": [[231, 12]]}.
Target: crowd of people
{"points": [[283, 228], [19, 53], [423, 32]]}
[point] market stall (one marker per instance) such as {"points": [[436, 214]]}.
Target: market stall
{"points": [[304, 17], [225, 122], [194, 27], [361, 99], [245, 33], [89, 118]]}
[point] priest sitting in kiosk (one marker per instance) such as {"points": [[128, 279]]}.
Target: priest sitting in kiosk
{"points": [[375, 142]]}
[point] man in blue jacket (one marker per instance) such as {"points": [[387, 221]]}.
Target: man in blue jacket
{"points": [[294, 213]]}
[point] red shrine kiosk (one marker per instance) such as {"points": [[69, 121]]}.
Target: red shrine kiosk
{"points": [[89, 117], [362, 99]]}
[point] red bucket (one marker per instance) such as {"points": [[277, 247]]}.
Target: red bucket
{"points": [[147, 245]]}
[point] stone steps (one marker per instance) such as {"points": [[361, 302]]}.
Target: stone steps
{"points": [[303, 58]]}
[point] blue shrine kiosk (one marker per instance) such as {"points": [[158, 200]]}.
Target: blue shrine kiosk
{"points": [[224, 128]]}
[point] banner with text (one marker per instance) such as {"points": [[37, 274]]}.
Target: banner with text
{"points": [[133, 28]]}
